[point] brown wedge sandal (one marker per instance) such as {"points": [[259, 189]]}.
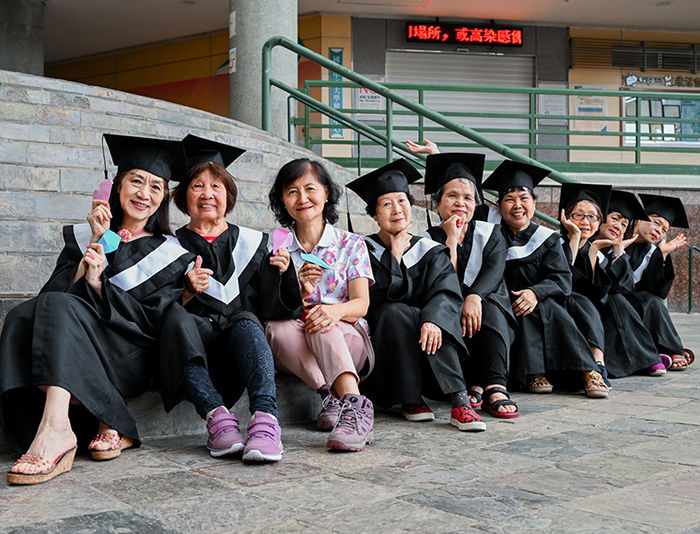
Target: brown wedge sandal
{"points": [[117, 444], [62, 464]]}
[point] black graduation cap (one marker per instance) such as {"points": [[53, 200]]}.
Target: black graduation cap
{"points": [[670, 208], [201, 150], [391, 178], [627, 205], [163, 158], [511, 174], [572, 193], [443, 168]]}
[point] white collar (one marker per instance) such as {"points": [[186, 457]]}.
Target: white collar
{"points": [[325, 241]]}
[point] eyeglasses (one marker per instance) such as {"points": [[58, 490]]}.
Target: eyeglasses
{"points": [[580, 216]]}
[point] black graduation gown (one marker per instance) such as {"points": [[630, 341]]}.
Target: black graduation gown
{"points": [[481, 261], [244, 286], [422, 288], [629, 346], [547, 339], [587, 290], [99, 349], [653, 278]]}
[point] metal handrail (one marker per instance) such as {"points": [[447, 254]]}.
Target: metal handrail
{"points": [[631, 142], [690, 277], [268, 82]]}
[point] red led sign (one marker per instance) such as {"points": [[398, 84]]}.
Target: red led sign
{"points": [[464, 34]]}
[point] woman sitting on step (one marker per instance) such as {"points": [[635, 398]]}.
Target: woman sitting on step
{"points": [[212, 347], [87, 339], [650, 259], [328, 348]]}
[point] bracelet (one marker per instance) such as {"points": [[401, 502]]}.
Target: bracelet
{"points": [[615, 256]]}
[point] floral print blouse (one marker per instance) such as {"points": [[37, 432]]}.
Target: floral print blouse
{"points": [[347, 256]]}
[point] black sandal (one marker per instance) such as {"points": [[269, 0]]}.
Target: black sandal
{"points": [[492, 407], [473, 393]]}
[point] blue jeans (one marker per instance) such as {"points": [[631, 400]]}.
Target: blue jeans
{"points": [[245, 342]]}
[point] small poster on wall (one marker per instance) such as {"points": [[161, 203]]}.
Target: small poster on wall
{"points": [[690, 109], [593, 106], [368, 100]]}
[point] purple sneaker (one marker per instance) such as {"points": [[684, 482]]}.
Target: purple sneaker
{"points": [[330, 412], [264, 439], [224, 436], [355, 424]]}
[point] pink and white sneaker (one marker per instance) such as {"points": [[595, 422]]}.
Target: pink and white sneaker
{"points": [[264, 439], [354, 430], [224, 436]]}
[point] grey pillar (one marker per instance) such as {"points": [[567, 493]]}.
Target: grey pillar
{"points": [[22, 36], [255, 22]]}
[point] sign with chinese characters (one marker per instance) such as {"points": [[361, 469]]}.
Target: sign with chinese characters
{"points": [[336, 93], [463, 34], [632, 80]]}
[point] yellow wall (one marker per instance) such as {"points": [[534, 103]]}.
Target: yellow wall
{"points": [[611, 79], [320, 33], [159, 71]]}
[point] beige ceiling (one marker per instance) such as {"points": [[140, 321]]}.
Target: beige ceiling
{"points": [[84, 28]]}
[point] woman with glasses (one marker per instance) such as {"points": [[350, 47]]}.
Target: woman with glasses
{"points": [[650, 259], [581, 207]]}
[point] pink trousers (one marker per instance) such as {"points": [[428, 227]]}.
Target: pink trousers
{"points": [[316, 358]]}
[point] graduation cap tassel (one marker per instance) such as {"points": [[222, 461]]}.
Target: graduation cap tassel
{"points": [[347, 206], [427, 216], [104, 158]]}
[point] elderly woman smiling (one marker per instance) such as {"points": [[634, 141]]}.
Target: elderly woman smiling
{"points": [[539, 280], [414, 307], [215, 347]]}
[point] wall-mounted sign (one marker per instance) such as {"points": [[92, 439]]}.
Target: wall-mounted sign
{"points": [[463, 34], [631, 80], [336, 93]]}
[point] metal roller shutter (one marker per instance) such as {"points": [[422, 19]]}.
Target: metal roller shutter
{"points": [[465, 69]]}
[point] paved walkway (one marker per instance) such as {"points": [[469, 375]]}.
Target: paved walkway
{"points": [[630, 463]]}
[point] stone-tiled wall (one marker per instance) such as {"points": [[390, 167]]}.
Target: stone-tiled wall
{"points": [[51, 160]]}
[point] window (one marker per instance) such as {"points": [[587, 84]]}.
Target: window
{"points": [[657, 116]]}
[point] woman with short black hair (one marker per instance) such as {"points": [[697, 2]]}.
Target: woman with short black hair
{"points": [[329, 346]]}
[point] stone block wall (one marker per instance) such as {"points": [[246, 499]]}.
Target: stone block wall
{"points": [[51, 160]]}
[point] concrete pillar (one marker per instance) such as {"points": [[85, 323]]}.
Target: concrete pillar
{"points": [[22, 36], [251, 24]]}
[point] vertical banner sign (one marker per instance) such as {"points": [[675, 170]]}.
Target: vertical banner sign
{"points": [[336, 93]]}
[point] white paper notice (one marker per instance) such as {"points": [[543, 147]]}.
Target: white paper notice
{"points": [[232, 60]]}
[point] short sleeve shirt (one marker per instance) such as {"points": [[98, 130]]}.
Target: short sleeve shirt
{"points": [[346, 254]]}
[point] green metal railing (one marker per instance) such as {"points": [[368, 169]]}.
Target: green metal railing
{"points": [[692, 249], [391, 96], [629, 137], [386, 138]]}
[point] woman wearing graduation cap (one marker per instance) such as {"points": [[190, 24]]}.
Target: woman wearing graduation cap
{"points": [[629, 346], [88, 337], [214, 347], [650, 259], [414, 306], [581, 208], [478, 252], [328, 347], [539, 279]]}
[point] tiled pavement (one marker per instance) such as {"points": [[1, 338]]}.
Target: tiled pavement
{"points": [[630, 463]]}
